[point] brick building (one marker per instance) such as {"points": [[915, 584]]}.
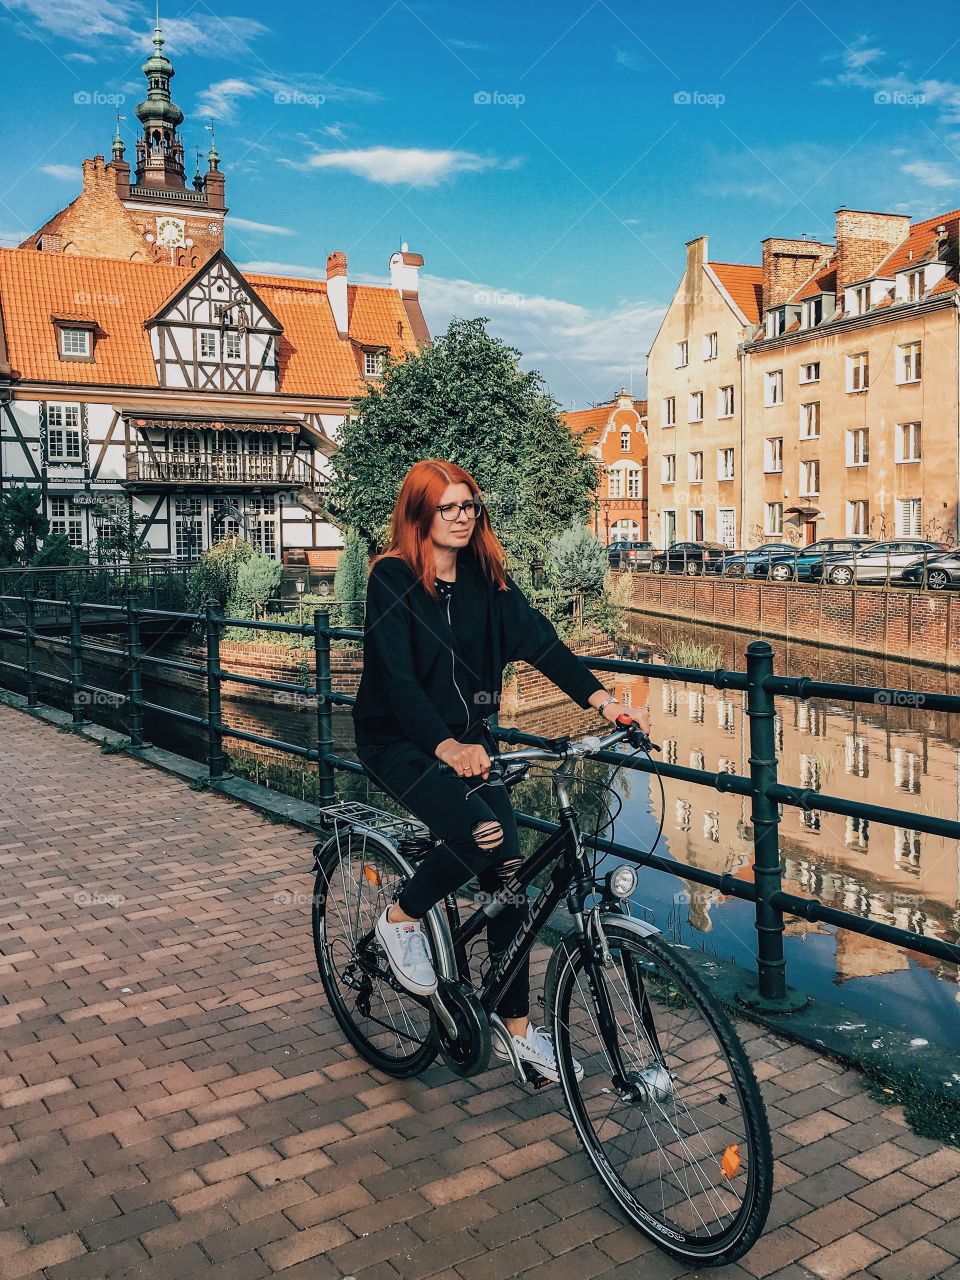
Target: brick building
{"points": [[848, 413], [142, 372], [615, 433]]}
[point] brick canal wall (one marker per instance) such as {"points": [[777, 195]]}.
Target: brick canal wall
{"points": [[920, 626]]}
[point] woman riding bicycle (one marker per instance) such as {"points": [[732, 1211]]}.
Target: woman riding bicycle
{"points": [[443, 618]]}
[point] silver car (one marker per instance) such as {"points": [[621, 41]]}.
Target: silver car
{"points": [[880, 562]]}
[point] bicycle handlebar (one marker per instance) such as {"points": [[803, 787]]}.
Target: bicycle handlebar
{"points": [[562, 748]]}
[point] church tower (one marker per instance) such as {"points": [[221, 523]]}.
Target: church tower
{"points": [[152, 214]]}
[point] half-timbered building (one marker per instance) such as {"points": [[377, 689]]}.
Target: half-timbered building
{"points": [[141, 370]]}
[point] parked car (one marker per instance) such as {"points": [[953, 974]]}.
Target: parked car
{"points": [[740, 563], [633, 555], [692, 558], [880, 562], [938, 571], [798, 562]]}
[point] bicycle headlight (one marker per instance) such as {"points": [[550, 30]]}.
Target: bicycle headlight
{"points": [[622, 881]]}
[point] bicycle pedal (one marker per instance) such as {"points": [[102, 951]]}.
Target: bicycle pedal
{"points": [[534, 1078]]}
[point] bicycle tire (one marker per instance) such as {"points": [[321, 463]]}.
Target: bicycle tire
{"points": [[709, 1248], [348, 997]]}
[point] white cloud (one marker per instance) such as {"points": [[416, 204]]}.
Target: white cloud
{"points": [[866, 66], [80, 57], [62, 172], [415, 166], [82, 21], [219, 101], [931, 174], [261, 228]]}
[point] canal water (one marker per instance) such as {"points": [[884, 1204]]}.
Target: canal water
{"points": [[897, 755]]}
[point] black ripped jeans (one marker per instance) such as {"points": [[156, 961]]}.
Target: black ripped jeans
{"points": [[441, 801]]}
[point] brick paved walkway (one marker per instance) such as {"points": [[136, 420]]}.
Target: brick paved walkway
{"points": [[176, 1101]]}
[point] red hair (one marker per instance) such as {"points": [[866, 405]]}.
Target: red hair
{"points": [[413, 512]]}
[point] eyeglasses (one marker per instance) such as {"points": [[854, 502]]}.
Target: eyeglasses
{"points": [[471, 509]]}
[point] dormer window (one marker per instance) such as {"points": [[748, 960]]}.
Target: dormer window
{"points": [[373, 362], [812, 311], [75, 338], [914, 285], [775, 322], [861, 296]]}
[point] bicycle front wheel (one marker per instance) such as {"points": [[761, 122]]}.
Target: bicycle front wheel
{"points": [[682, 1143]]}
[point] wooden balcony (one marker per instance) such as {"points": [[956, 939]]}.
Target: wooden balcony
{"points": [[213, 470]]}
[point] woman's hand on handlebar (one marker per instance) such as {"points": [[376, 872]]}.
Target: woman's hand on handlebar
{"points": [[465, 758], [639, 715]]}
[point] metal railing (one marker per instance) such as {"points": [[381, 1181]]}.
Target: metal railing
{"points": [[761, 686], [221, 468], [163, 585]]}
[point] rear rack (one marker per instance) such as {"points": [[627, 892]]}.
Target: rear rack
{"points": [[356, 814]]}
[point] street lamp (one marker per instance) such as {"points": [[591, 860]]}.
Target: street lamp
{"points": [[301, 586], [536, 573]]}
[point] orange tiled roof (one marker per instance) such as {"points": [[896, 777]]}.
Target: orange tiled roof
{"points": [[120, 296], [744, 285], [920, 243], [588, 423], [823, 280]]}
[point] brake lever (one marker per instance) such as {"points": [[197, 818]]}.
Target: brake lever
{"points": [[635, 735]]}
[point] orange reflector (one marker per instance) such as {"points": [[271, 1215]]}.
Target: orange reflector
{"points": [[730, 1161], [371, 874]]}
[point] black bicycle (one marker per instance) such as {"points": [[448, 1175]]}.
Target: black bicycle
{"points": [[666, 1104]]}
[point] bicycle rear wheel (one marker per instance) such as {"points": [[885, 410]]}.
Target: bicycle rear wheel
{"points": [[358, 875], [685, 1147]]}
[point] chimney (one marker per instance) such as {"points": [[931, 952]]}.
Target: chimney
{"points": [[863, 241], [93, 173], [405, 279], [50, 242], [693, 278], [337, 290], [787, 264], [405, 272]]}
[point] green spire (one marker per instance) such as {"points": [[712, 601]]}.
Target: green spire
{"points": [[159, 108]]}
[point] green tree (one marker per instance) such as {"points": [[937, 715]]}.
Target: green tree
{"points": [[56, 550], [577, 561], [118, 532], [257, 581], [350, 580], [23, 526], [214, 576], [465, 397]]}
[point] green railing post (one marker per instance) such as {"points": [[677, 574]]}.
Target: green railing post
{"points": [[771, 993], [76, 659], [30, 644], [134, 673], [321, 650], [216, 761]]}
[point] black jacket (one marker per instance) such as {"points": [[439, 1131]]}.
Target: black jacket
{"points": [[407, 653]]}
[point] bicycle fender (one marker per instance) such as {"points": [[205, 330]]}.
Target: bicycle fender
{"points": [[569, 945]]}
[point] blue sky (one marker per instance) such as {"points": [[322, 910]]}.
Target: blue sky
{"points": [[548, 159]]}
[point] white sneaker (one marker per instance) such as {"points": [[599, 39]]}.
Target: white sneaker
{"points": [[407, 953], [536, 1047]]}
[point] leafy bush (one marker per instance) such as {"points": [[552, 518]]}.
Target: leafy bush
{"points": [[257, 581], [577, 561], [216, 574], [56, 550]]}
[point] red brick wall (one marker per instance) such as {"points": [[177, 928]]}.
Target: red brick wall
{"points": [[922, 626]]}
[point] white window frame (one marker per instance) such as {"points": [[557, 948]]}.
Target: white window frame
{"points": [[668, 411], [773, 388], [232, 345], [858, 447], [812, 311], [75, 342], [681, 354], [634, 482], [913, 285], [909, 446], [810, 478], [64, 427], [909, 518], [773, 455], [614, 483], [694, 536], [858, 373], [668, 468], [726, 401], [724, 513], [710, 346], [776, 322], [909, 363], [373, 364], [625, 440], [805, 379], [810, 420], [695, 406], [858, 517], [724, 456], [773, 519], [67, 520], [695, 466], [208, 345]]}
